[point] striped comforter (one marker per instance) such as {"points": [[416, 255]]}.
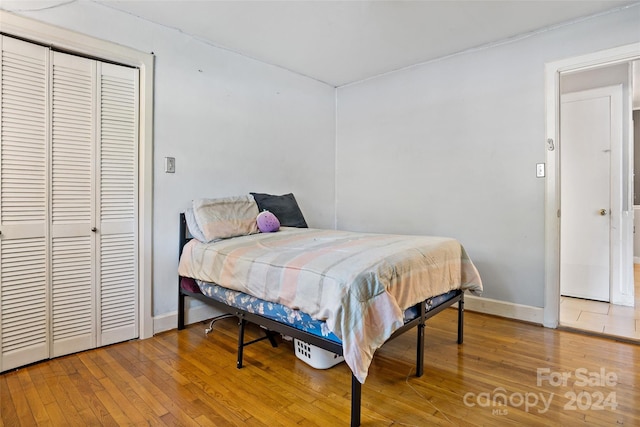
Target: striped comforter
{"points": [[359, 283]]}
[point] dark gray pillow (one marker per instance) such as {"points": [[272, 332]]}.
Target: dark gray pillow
{"points": [[284, 207]]}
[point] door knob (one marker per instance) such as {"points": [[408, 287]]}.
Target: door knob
{"points": [[603, 212], [95, 229]]}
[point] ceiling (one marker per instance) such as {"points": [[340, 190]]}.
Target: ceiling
{"points": [[339, 42]]}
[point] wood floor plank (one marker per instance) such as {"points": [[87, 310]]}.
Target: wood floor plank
{"points": [[56, 382], [225, 400], [178, 408], [67, 394], [112, 407], [87, 385], [30, 393], [19, 400], [56, 415], [124, 374], [217, 406], [9, 415], [37, 377]]}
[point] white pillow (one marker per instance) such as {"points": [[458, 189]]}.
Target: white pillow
{"points": [[192, 225], [226, 217]]}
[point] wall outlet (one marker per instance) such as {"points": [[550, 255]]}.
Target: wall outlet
{"points": [[540, 170], [170, 164]]}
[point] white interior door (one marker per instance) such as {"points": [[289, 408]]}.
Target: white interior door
{"points": [[73, 308], [24, 270], [117, 200], [590, 191]]}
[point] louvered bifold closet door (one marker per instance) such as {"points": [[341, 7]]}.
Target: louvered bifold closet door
{"points": [[73, 306], [24, 333], [118, 203]]}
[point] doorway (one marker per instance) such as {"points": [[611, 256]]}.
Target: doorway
{"points": [[564, 77]]}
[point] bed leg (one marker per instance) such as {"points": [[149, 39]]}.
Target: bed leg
{"points": [[356, 397], [272, 338], [420, 351], [420, 342], [241, 325], [180, 310], [460, 319]]}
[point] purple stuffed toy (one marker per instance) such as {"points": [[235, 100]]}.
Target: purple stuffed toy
{"points": [[267, 222]]}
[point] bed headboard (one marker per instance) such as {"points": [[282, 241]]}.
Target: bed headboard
{"points": [[185, 236]]}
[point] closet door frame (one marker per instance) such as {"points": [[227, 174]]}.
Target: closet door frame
{"points": [[67, 40]]}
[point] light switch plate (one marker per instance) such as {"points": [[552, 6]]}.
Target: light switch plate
{"points": [[540, 170], [170, 164]]}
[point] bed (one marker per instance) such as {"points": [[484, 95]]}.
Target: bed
{"points": [[343, 292]]}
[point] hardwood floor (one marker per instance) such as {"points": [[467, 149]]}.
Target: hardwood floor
{"points": [[186, 378]]}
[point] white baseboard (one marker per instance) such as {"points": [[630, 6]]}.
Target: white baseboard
{"points": [[193, 314], [509, 310], [636, 259]]}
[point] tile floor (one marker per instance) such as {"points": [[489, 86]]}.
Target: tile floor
{"points": [[602, 317]]}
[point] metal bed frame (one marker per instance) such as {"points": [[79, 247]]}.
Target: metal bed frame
{"points": [[272, 326]]}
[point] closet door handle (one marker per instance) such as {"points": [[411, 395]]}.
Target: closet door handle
{"points": [[94, 229]]}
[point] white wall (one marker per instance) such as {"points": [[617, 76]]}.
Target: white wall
{"points": [[450, 147], [233, 124]]}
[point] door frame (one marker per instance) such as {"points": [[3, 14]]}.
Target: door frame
{"points": [[551, 310]]}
